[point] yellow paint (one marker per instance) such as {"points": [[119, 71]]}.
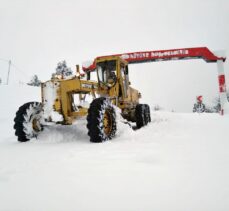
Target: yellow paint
{"points": [[121, 94]]}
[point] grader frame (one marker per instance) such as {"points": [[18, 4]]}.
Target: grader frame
{"points": [[120, 93]]}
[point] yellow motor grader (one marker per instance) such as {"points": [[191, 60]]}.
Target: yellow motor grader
{"points": [[63, 102], [110, 88]]}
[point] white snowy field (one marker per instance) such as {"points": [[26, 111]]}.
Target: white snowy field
{"points": [[178, 162]]}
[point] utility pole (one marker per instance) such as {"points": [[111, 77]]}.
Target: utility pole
{"points": [[8, 76]]}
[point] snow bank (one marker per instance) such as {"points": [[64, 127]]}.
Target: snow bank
{"points": [[178, 162]]}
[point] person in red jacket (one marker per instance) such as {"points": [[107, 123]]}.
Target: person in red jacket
{"points": [[199, 107]]}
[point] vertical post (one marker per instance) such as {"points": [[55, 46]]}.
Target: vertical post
{"points": [[78, 76], [78, 71], [222, 86], [8, 75]]}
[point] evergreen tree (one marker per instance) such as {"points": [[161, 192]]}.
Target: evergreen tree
{"points": [[0, 81], [216, 104], [157, 107], [34, 81], [63, 70]]}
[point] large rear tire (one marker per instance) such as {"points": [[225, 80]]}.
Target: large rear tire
{"points": [[101, 120], [28, 121], [142, 113], [147, 113]]}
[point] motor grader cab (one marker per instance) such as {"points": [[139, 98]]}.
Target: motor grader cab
{"points": [[111, 88], [113, 82]]}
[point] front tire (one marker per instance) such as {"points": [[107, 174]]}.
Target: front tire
{"points": [[101, 120], [28, 121]]}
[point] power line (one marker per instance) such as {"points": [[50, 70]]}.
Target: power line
{"points": [[25, 74], [15, 67], [5, 60]]}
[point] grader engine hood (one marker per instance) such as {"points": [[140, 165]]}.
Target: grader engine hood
{"points": [[50, 100], [133, 95]]}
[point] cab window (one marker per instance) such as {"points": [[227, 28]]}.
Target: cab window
{"points": [[106, 70]]}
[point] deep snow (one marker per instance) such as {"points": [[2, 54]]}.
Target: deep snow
{"points": [[178, 162]]}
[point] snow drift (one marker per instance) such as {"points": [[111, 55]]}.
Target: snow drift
{"points": [[178, 162]]}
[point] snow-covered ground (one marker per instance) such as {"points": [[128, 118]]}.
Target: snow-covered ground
{"points": [[178, 162]]}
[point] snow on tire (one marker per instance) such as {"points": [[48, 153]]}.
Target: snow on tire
{"points": [[101, 120], [28, 121]]}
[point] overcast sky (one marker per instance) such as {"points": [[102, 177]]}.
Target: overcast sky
{"points": [[36, 35]]}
